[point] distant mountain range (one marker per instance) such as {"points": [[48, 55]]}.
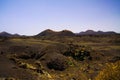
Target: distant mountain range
{"points": [[49, 32], [6, 34], [91, 32]]}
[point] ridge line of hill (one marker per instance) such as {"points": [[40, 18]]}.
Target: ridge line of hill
{"points": [[49, 32]]}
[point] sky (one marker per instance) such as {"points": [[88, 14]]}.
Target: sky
{"points": [[30, 17]]}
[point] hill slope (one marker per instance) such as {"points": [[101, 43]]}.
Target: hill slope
{"points": [[49, 32], [91, 32]]}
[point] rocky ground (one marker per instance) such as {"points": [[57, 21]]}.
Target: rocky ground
{"points": [[57, 58]]}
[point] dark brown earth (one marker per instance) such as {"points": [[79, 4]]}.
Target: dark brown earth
{"points": [[57, 58]]}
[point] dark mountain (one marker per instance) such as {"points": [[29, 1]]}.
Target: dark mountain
{"points": [[111, 32], [66, 33], [88, 32], [5, 34], [49, 32], [91, 32], [16, 35]]}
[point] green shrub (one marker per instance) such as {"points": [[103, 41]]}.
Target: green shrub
{"points": [[78, 52], [57, 64]]}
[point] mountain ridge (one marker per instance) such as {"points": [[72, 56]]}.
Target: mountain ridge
{"points": [[6, 34], [92, 32], [49, 32]]}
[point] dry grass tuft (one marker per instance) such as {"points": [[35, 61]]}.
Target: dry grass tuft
{"points": [[110, 72]]}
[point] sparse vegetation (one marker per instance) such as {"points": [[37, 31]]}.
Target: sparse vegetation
{"points": [[10, 78], [57, 64], [60, 58], [78, 52], [110, 72]]}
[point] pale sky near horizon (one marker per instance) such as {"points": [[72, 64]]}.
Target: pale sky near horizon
{"points": [[30, 17]]}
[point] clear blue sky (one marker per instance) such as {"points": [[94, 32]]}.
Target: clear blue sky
{"points": [[30, 17]]}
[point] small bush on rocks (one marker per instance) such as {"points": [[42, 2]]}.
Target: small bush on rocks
{"points": [[57, 64]]}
